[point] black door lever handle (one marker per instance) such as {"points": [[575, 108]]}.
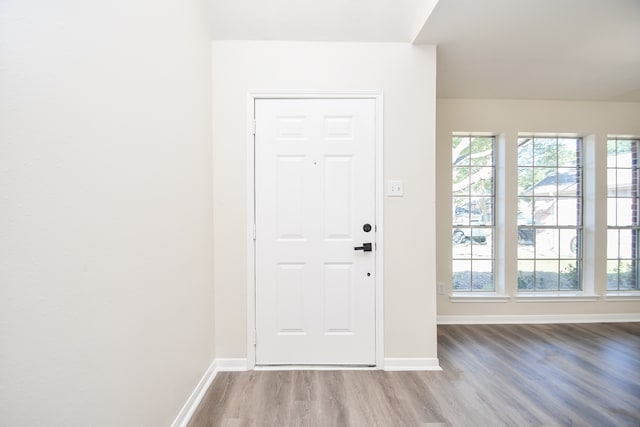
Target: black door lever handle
{"points": [[366, 247]]}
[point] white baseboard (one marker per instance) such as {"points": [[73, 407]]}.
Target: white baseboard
{"points": [[185, 414], [218, 365], [411, 364], [234, 365], [537, 318], [231, 365]]}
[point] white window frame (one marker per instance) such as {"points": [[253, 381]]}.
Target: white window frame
{"points": [[580, 215], [498, 292], [636, 256], [506, 227]]}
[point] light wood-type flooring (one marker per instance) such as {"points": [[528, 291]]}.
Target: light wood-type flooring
{"points": [[493, 375]]}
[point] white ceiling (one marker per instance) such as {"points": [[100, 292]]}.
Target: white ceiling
{"points": [[537, 49], [318, 20], [526, 49]]}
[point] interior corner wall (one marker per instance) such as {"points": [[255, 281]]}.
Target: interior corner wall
{"points": [[595, 120], [106, 282], [406, 75]]}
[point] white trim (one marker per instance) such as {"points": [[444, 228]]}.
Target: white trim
{"points": [[478, 297], [302, 94], [504, 191], [232, 365], [412, 364], [556, 297], [190, 406], [250, 228], [218, 365], [314, 368], [252, 96], [379, 230], [537, 318], [622, 296], [593, 271]]}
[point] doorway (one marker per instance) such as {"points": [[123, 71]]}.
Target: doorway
{"points": [[316, 231]]}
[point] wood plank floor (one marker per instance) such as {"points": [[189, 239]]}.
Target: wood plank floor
{"points": [[493, 375]]}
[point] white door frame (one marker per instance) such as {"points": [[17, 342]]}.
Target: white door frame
{"points": [[252, 96]]}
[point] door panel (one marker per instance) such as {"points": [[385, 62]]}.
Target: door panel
{"points": [[315, 189], [338, 288], [290, 192], [338, 200]]}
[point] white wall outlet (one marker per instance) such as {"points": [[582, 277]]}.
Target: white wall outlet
{"points": [[395, 188], [441, 288]]}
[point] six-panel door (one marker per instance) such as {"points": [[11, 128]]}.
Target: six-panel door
{"points": [[315, 191]]}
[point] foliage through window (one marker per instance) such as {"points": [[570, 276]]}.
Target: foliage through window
{"points": [[473, 195], [622, 214], [549, 214]]}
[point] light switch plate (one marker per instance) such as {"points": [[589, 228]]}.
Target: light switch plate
{"points": [[395, 188]]}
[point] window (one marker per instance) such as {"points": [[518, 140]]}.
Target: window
{"points": [[549, 214], [473, 200], [622, 214]]}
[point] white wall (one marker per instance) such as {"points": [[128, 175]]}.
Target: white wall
{"points": [[406, 74], [506, 118], [106, 295]]}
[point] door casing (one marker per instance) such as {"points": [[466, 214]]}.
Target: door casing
{"points": [[252, 96]]}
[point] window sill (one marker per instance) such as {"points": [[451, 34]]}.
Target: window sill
{"points": [[478, 297], [556, 297], [622, 296]]}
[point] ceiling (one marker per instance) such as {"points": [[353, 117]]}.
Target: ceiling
{"points": [[515, 49], [544, 49], [318, 20]]}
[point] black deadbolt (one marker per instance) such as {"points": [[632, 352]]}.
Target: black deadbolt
{"points": [[366, 228]]}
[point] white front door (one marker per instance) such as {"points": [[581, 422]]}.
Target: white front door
{"points": [[315, 201]]}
